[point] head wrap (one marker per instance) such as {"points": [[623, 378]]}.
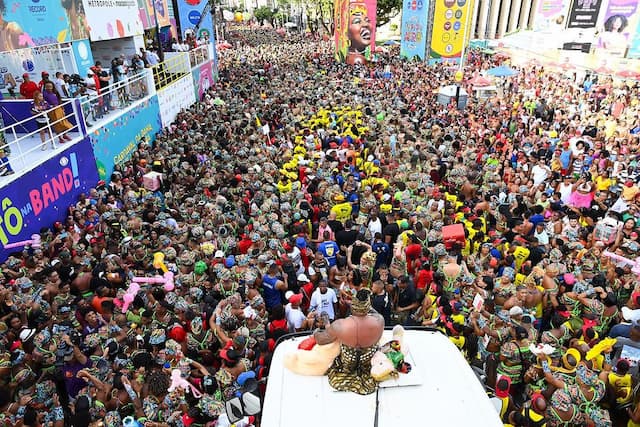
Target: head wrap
{"points": [[361, 304]]}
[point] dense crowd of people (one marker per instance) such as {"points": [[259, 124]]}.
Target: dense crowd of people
{"points": [[297, 181]]}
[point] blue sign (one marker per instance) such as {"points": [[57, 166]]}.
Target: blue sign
{"points": [[116, 141], [83, 56], [191, 17], [415, 14], [41, 197], [194, 17]]}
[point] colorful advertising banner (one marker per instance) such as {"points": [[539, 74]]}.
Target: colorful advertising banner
{"points": [[413, 43], [451, 21], [40, 198], [40, 22], [116, 141], [112, 19], [617, 26], [584, 13], [148, 15], [551, 16], [355, 30], [202, 79], [192, 18]]}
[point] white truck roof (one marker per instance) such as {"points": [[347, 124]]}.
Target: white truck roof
{"points": [[444, 392]]}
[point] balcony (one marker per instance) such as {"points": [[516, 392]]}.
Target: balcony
{"points": [[26, 145]]}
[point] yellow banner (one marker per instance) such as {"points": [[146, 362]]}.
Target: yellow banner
{"points": [[450, 28]]}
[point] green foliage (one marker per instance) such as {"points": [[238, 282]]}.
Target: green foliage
{"points": [[263, 13], [386, 10], [320, 12]]}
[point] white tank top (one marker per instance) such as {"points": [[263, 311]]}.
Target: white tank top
{"points": [[565, 192]]}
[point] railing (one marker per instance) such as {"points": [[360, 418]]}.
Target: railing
{"points": [[199, 55], [119, 95], [18, 154], [175, 65]]}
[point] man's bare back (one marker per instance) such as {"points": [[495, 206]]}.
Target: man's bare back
{"points": [[354, 331]]}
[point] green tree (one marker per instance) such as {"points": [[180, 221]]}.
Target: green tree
{"points": [[263, 13], [387, 9]]}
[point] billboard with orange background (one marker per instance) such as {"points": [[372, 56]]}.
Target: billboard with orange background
{"points": [[355, 30]]}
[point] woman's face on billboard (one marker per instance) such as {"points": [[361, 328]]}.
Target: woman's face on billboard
{"points": [[359, 27]]}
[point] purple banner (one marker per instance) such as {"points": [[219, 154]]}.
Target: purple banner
{"points": [[16, 110], [618, 24], [41, 197]]}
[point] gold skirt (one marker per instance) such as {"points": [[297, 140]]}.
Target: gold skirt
{"points": [[351, 370], [60, 124]]}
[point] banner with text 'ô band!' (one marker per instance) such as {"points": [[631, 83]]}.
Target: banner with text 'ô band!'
{"points": [[41, 197]]}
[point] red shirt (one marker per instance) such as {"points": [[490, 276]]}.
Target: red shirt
{"points": [[27, 89], [244, 245]]}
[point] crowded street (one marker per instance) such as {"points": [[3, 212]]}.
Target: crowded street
{"points": [[510, 225]]}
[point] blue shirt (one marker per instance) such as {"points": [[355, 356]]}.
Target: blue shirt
{"points": [[329, 249], [272, 296], [381, 249]]}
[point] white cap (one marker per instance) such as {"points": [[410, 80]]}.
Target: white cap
{"points": [[218, 254], [630, 315], [515, 311], [26, 334], [288, 295], [303, 278]]}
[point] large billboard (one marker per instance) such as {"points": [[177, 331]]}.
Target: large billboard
{"points": [[148, 14], [617, 26], [112, 19], [355, 30], [551, 16], [116, 141], [40, 22], [451, 21], [40, 197], [194, 17], [202, 79], [584, 13], [415, 15]]}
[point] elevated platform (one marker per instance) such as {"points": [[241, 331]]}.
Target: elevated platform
{"points": [[441, 390]]}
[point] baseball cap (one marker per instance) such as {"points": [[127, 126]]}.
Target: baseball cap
{"points": [[515, 311], [303, 278], [295, 299], [229, 354], [218, 254], [25, 75]]}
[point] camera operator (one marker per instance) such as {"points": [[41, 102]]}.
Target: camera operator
{"points": [[70, 360]]}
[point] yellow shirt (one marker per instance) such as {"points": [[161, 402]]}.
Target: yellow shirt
{"points": [[342, 211], [603, 184], [520, 254]]}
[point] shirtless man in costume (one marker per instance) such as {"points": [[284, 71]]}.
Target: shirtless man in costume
{"points": [[358, 336]]}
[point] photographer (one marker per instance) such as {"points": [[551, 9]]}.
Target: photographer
{"points": [[71, 361]]}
